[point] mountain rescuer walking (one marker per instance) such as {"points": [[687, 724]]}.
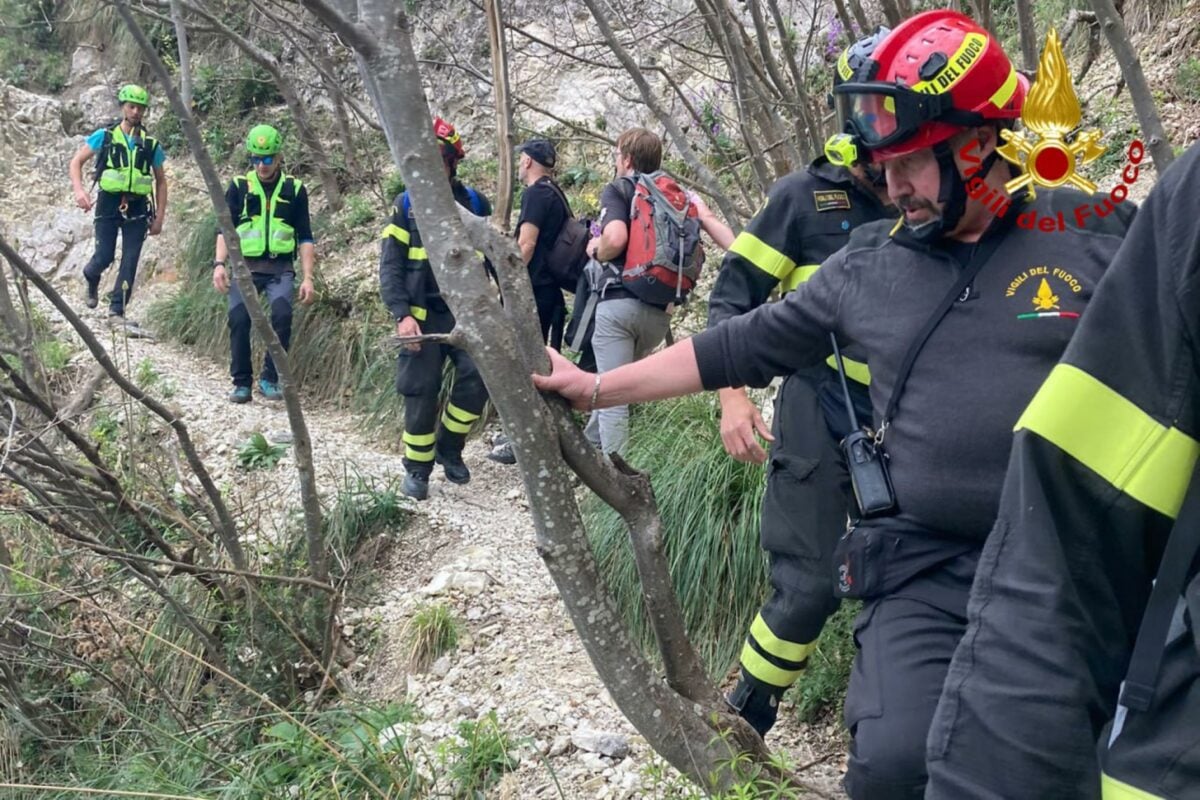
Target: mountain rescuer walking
{"points": [[953, 356], [270, 211], [411, 293], [808, 215], [132, 198]]}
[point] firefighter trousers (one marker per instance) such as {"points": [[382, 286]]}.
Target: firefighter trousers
{"points": [[804, 512], [419, 377]]}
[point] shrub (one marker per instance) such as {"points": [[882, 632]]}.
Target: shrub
{"points": [[1187, 79], [710, 507], [481, 757], [258, 453]]}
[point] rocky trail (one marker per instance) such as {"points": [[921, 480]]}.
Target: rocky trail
{"points": [[470, 547]]}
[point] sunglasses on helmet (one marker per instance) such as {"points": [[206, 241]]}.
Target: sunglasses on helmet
{"points": [[264, 160], [881, 114]]}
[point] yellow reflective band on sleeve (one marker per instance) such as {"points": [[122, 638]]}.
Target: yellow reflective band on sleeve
{"points": [[855, 370], [417, 254], [420, 439], [460, 414], [1114, 438], [1113, 789], [413, 454], [418, 313], [765, 671], [762, 255], [397, 233], [798, 276], [1005, 92], [780, 648]]}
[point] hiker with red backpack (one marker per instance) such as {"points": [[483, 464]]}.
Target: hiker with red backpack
{"points": [[646, 260]]}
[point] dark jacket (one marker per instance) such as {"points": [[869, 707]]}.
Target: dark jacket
{"points": [[949, 442], [406, 279], [1100, 464], [808, 216]]}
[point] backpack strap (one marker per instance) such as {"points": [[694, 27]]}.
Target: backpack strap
{"points": [[476, 202], [561, 196]]}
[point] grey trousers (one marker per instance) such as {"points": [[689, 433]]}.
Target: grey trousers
{"points": [[626, 330]]}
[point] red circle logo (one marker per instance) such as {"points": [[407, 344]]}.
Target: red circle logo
{"points": [[1053, 163]]}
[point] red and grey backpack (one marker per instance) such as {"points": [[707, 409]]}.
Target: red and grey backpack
{"points": [[663, 258]]}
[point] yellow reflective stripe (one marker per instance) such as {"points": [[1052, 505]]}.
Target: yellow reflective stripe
{"points": [[765, 671], [896, 227], [418, 313], [418, 455], [843, 65], [1005, 92], [854, 369], [460, 414], [780, 648], [1113, 437], [762, 255], [968, 53], [799, 275], [1113, 789], [454, 426], [417, 254], [397, 233], [420, 439]]}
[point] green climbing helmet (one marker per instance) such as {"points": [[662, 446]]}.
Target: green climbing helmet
{"points": [[132, 93], [263, 140]]}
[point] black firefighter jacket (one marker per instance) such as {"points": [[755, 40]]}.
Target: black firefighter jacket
{"points": [[808, 216], [950, 439], [1101, 461]]}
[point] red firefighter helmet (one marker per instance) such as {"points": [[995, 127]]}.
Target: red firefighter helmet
{"points": [[449, 140], [937, 73]]}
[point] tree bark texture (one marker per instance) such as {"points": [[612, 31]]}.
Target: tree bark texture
{"points": [[504, 117], [185, 59], [1027, 29], [1139, 91]]}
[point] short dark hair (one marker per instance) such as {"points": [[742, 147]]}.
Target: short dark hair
{"points": [[643, 148]]}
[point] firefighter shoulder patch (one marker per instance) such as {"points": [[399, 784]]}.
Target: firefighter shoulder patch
{"points": [[831, 200]]}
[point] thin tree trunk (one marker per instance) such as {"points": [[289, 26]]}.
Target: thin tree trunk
{"points": [[500, 90], [1135, 79], [185, 58], [301, 441], [839, 6], [864, 25], [810, 132], [1027, 29], [704, 175], [891, 12]]}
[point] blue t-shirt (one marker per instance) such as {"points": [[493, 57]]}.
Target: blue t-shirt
{"points": [[96, 141]]}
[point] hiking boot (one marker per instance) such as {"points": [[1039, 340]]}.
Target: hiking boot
{"points": [[269, 390], [456, 471], [240, 394], [416, 485], [503, 454], [91, 292], [756, 705]]}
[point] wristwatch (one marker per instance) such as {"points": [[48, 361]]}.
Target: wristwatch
{"points": [[218, 264]]}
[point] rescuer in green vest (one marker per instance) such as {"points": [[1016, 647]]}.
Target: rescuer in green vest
{"points": [[270, 211], [132, 198]]}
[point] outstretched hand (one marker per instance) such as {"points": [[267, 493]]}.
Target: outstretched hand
{"points": [[740, 421], [568, 380]]}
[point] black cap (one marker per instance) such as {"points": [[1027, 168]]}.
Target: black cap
{"points": [[541, 151]]}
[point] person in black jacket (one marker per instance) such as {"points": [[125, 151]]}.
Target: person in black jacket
{"points": [[1000, 302], [1047, 696], [808, 216], [411, 293]]}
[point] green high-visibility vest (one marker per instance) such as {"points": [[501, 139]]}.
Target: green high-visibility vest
{"points": [[126, 169], [267, 231]]}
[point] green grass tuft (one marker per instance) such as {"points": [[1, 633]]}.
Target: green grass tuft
{"points": [[483, 755], [431, 632], [710, 508]]}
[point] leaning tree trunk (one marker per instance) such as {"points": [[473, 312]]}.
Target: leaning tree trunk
{"points": [[1028, 32], [1135, 79], [185, 58], [684, 721], [504, 116]]}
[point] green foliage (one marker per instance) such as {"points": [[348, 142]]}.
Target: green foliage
{"points": [[822, 689], [431, 632], [710, 506], [746, 780], [258, 453], [54, 354], [31, 54], [481, 757], [365, 508], [1187, 80], [393, 185]]}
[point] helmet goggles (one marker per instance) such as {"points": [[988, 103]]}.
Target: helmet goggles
{"points": [[883, 114]]}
